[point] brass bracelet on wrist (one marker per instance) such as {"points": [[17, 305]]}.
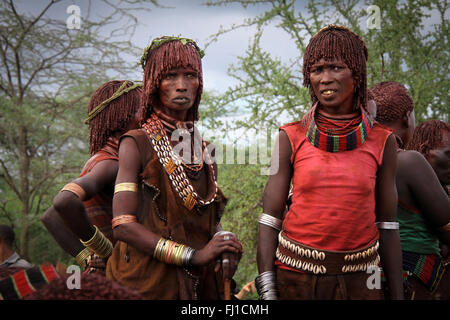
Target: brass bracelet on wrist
{"points": [[171, 252], [83, 256], [99, 244]]}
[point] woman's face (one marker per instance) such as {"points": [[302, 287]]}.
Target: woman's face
{"points": [[333, 85], [178, 90]]}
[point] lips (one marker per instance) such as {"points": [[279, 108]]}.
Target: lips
{"points": [[181, 100]]}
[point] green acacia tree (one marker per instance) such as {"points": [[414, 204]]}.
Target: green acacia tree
{"points": [[406, 48], [48, 72]]}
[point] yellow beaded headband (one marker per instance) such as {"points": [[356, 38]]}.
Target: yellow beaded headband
{"points": [[105, 103], [157, 42]]}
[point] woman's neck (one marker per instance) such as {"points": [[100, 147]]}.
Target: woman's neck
{"points": [[172, 115]]}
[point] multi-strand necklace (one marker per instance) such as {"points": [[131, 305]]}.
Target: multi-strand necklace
{"points": [[173, 165], [170, 125], [344, 142]]}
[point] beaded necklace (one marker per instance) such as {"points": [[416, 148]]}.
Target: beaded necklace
{"points": [[173, 165], [337, 143], [171, 124]]}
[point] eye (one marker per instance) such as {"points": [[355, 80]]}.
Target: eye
{"points": [[191, 75], [316, 70]]}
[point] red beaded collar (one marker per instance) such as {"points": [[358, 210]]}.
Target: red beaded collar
{"points": [[337, 143]]}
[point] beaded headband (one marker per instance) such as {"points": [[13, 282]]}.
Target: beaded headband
{"points": [[157, 42], [105, 103]]}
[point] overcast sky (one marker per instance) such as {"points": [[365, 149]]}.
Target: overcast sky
{"points": [[192, 19], [196, 21]]}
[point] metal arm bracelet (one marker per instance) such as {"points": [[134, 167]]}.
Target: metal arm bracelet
{"points": [[266, 285], [387, 225], [271, 221]]}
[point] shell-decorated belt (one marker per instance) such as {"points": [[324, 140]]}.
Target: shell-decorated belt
{"points": [[299, 256]]}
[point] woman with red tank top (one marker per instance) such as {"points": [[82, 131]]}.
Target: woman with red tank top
{"points": [[342, 167]]}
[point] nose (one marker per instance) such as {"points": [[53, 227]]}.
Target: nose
{"points": [[181, 84], [326, 76]]}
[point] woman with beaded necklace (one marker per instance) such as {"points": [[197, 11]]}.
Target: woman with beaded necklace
{"points": [[167, 206], [342, 165]]}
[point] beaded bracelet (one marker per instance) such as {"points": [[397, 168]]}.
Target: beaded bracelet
{"points": [[171, 252]]}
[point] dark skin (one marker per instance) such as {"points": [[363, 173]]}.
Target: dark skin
{"points": [[67, 220], [177, 94], [439, 159], [413, 170], [333, 85]]}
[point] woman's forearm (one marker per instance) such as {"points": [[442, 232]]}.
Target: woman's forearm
{"points": [[391, 260]]}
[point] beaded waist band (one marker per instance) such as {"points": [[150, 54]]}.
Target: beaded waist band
{"points": [[299, 256]]}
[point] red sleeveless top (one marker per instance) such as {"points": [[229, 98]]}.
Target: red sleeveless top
{"points": [[333, 202], [99, 207]]}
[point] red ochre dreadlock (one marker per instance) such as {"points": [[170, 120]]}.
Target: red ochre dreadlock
{"points": [[428, 136], [115, 117], [160, 60], [393, 101], [337, 42]]}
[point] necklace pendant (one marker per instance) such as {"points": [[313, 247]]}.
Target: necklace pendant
{"points": [[190, 201], [170, 166]]}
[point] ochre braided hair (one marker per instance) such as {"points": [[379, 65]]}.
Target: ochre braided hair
{"points": [[338, 43], [115, 117], [159, 61], [428, 135], [393, 101]]}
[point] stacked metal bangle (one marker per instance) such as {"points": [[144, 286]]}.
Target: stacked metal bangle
{"points": [[266, 285], [387, 225], [83, 256], [271, 221], [172, 252], [99, 244]]}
